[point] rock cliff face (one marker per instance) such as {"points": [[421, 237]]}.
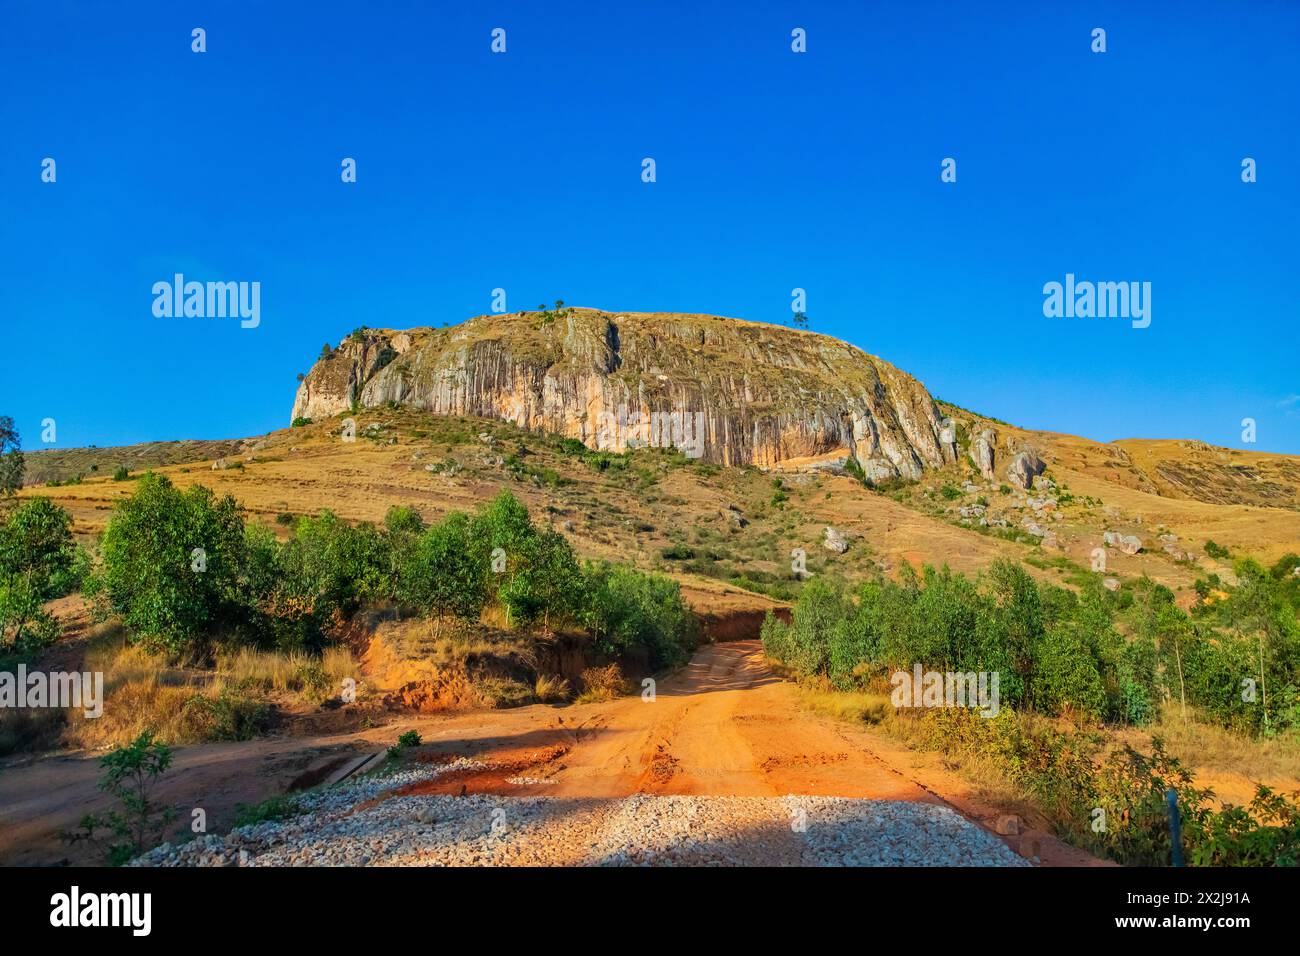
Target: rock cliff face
{"points": [[728, 391]]}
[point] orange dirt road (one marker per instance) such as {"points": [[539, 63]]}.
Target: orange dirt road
{"points": [[722, 726]]}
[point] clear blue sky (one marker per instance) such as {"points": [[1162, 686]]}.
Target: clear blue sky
{"points": [[775, 171]]}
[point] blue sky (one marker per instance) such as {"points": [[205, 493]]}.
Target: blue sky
{"points": [[775, 170]]}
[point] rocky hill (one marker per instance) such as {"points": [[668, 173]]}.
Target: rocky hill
{"points": [[723, 390]]}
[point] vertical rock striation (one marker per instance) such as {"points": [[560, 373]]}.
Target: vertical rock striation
{"points": [[729, 391]]}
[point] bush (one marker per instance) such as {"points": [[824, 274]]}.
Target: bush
{"points": [[543, 582], [677, 552], [627, 609], [226, 717], [404, 742], [446, 570], [38, 561], [121, 473], [173, 561], [131, 773], [1056, 652], [603, 683], [279, 807]]}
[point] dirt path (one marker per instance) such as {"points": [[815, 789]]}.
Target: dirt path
{"points": [[724, 726]]}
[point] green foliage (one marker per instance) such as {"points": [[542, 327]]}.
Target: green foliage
{"points": [[1217, 551], [169, 595], [1114, 803], [226, 717], [404, 742], [626, 609], [325, 572], [403, 519], [291, 595], [131, 773], [446, 570], [1051, 651], [279, 807], [299, 422], [12, 465], [1241, 656], [1094, 657], [38, 561], [121, 473], [542, 581]]}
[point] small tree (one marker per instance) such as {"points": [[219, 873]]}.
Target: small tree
{"points": [[173, 562], [131, 775], [446, 571], [11, 457], [36, 552]]}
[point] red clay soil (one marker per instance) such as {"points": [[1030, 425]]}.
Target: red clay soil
{"points": [[724, 725]]}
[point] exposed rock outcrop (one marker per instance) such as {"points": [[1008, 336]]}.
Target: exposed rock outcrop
{"points": [[1025, 466], [833, 540], [981, 452], [728, 391]]}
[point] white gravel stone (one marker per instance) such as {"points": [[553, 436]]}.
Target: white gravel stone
{"points": [[640, 830]]}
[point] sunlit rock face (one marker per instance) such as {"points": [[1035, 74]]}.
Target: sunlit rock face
{"points": [[724, 390]]}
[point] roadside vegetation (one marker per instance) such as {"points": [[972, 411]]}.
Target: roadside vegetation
{"points": [[208, 619], [1073, 669]]}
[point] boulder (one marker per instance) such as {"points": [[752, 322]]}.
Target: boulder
{"points": [[1025, 466], [1129, 543], [981, 452], [833, 540]]}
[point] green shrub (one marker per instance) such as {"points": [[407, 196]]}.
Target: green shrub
{"points": [[226, 717], [38, 561], [627, 609], [446, 570], [279, 807], [131, 773], [173, 561]]}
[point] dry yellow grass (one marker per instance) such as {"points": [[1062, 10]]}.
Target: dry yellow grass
{"points": [[1228, 763], [549, 689], [600, 684], [183, 705], [853, 706]]}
